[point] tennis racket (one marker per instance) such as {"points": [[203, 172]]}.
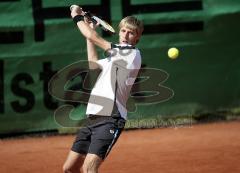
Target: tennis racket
{"points": [[103, 24]]}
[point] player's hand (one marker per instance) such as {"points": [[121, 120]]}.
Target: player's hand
{"points": [[76, 10], [90, 23], [93, 25]]}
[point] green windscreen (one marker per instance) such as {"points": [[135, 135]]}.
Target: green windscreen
{"points": [[39, 39]]}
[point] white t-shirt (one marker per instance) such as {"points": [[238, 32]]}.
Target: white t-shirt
{"points": [[114, 83]]}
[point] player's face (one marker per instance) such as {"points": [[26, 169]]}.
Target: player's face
{"points": [[128, 36]]}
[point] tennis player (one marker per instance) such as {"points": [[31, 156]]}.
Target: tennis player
{"points": [[106, 109]]}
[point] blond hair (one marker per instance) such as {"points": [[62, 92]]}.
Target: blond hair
{"points": [[132, 23]]}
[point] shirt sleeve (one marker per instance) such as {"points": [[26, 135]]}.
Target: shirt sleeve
{"points": [[134, 69]]}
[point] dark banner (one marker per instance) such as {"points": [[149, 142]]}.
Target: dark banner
{"points": [[39, 40]]}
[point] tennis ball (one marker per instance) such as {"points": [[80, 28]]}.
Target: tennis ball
{"points": [[173, 53]]}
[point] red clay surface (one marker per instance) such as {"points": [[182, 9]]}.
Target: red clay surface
{"points": [[209, 148]]}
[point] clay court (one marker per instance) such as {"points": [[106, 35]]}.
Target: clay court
{"points": [[206, 148]]}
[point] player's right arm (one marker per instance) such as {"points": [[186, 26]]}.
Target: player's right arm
{"points": [[91, 51], [88, 32]]}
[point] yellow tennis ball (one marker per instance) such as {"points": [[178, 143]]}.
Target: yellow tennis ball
{"points": [[173, 53]]}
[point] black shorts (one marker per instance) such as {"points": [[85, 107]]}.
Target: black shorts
{"points": [[99, 136]]}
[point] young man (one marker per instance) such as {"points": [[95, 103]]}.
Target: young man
{"points": [[106, 108]]}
